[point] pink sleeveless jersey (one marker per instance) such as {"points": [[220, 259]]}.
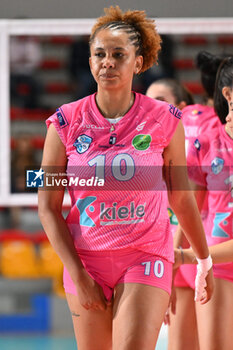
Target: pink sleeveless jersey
{"points": [[196, 120], [210, 164], [130, 209]]}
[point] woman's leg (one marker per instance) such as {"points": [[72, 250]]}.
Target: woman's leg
{"points": [[182, 332], [93, 328], [138, 313], [215, 319]]}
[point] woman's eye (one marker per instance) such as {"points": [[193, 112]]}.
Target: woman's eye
{"points": [[99, 54], [118, 55]]}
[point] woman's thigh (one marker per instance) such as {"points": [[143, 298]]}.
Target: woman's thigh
{"points": [[215, 319], [93, 328], [182, 331], [138, 313]]}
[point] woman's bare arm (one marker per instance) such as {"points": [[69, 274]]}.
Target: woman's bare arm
{"points": [[50, 213], [183, 202]]}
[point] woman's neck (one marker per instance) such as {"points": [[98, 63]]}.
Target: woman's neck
{"points": [[114, 105]]}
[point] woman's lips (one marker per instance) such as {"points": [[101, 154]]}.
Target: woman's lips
{"points": [[108, 76]]}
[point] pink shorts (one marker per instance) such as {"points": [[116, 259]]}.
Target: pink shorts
{"points": [[185, 276], [110, 268], [223, 271]]}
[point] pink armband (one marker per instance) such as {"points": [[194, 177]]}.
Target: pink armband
{"points": [[203, 266]]}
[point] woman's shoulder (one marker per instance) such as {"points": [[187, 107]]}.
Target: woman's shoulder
{"points": [[75, 106], [67, 116], [159, 108]]}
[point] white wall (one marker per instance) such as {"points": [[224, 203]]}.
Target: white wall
{"points": [[94, 8]]}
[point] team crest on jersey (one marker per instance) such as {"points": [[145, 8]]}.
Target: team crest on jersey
{"points": [[217, 165], [197, 144], [82, 143], [141, 142]]}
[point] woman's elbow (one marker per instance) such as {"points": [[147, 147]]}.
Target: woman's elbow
{"points": [[180, 201], [47, 205]]}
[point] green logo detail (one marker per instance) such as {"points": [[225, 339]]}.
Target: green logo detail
{"points": [[141, 142], [172, 217]]}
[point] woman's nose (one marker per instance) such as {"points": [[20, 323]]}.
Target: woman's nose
{"points": [[108, 62]]}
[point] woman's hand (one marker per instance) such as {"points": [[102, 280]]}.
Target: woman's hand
{"points": [[204, 285], [90, 293], [171, 307]]}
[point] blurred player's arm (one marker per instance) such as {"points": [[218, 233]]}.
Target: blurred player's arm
{"points": [[200, 194], [184, 205], [220, 253], [180, 196], [50, 204]]}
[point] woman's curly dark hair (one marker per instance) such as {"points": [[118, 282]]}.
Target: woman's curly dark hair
{"points": [[141, 30]]}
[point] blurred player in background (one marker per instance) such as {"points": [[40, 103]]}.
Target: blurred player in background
{"points": [[197, 118], [210, 161]]}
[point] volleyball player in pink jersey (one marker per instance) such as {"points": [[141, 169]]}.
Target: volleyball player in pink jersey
{"points": [[115, 243], [210, 161], [173, 92], [197, 118]]}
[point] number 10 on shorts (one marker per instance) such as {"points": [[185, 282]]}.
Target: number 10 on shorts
{"points": [[158, 268]]}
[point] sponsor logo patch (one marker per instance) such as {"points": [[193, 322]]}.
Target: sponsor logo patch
{"points": [[141, 142], [196, 112], [109, 215]]}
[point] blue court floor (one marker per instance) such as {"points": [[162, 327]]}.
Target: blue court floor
{"points": [[42, 342]]}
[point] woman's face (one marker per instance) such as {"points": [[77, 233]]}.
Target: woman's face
{"points": [[161, 92], [113, 61], [228, 94]]}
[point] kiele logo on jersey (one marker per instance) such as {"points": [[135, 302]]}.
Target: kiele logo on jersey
{"points": [[222, 225], [141, 142], [109, 215]]}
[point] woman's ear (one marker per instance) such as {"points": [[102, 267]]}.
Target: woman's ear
{"points": [[227, 93], [138, 64]]}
